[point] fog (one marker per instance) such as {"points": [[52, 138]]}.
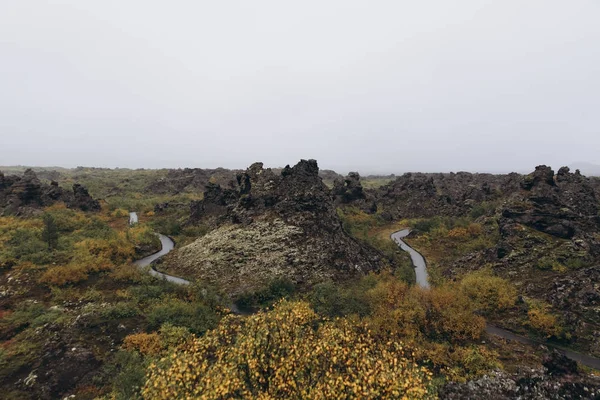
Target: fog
{"points": [[378, 86]]}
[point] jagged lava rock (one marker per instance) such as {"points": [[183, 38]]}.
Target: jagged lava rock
{"points": [[272, 225], [26, 195]]}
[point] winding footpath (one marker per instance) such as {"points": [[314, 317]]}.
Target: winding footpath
{"points": [[417, 259], [422, 280], [166, 246]]}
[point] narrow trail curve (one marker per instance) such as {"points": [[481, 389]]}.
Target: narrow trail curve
{"points": [[167, 244], [417, 258], [422, 280]]}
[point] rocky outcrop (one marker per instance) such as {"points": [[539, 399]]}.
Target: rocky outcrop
{"points": [[190, 180], [216, 205], [418, 195], [562, 206], [524, 384], [25, 194], [348, 190], [272, 225], [328, 176], [82, 199], [560, 365]]}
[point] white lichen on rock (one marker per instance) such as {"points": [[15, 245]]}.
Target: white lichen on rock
{"points": [[239, 258]]}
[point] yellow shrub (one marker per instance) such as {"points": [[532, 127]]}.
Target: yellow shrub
{"points": [[458, 233], [542, 321], [488, 292], [287, 353], [62, 275], [119, 213], [117, 250], [439, 324], [127, 273], [145, 343], [437, 313]]}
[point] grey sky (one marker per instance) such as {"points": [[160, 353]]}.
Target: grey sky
{"points": [[370, 85]]}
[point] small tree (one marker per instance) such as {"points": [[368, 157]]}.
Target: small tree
{"points": [[50, 232]]}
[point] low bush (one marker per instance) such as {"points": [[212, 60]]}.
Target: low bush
{"points": [[542, 321], [488, 293], [288, 353], [145, 343], [336, 300], [276, 290], [63, 275], [197, 317]]}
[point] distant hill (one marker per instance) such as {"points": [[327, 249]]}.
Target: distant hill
{"points": [[586, 168]]}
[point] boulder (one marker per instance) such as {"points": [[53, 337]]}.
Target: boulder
{"points": [[348, 190], [559, 364], [83, 200]]}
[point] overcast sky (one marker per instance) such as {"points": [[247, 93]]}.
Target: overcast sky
{"points": [[378, 86]]}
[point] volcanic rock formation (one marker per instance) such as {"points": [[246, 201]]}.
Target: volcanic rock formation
{"points": [[272, 226], [22, 195], [419, 195]]}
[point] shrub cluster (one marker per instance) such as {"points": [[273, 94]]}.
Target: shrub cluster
{"points": [[289, 352]]}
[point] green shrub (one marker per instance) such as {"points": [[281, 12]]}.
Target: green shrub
{"points": [[575, 263], [198, 318], [426, 225], [335, 300], [545, 264], [276, 290], [27, 245], [129, 372], [151, 289]]}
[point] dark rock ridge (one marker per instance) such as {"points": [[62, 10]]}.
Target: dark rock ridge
{"points": [[25, 194], [279, 225], [295, 190], [420, 195], [564, 206], [194, 179], [560, 206], [190, 180], [525, 384], [350, 191]]}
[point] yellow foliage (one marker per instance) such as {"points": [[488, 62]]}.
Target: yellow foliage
{"points": [[9, 224], [543, 321], [286, 353], [119, 213], [488, 292], [126, 273], [62, 275], [439, 324], [458, 233], [474, 229], [117, 250], [89, 256], [145, 343], [437, 313]]}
